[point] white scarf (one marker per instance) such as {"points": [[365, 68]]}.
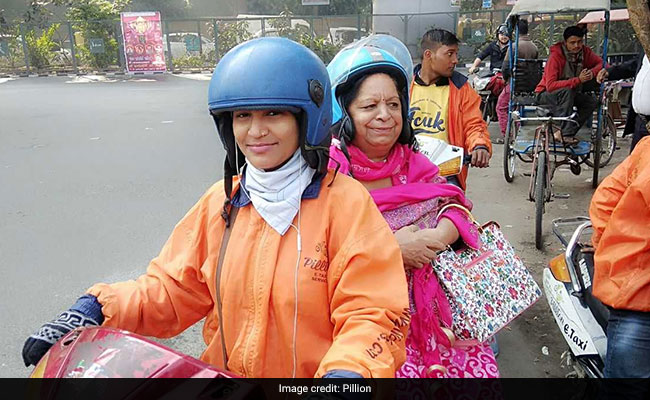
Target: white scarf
{"points": [[641, 89], [276, 194]]}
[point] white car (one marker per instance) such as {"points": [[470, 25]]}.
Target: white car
{"points": [[183, 43], [343, 35]]}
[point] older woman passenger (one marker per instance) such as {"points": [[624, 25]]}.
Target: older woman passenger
{"points": [[373, 143]]}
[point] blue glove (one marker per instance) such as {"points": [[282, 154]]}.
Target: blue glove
{"points": [[342, 373], [87, 311], [345, 376]]}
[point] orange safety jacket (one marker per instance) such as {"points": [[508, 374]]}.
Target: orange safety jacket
{"points": [[352, 291], [465, 125], [620, 214]]}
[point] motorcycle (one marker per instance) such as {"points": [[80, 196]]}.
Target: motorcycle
{"points": [[488, 84], [581, 318], [101, 352], [94, 352]]}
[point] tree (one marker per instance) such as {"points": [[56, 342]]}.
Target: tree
{"points": [[640, 19], [336, 7], [167, 8], [96, 19], [37, 14]]}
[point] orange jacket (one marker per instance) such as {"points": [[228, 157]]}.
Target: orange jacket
{"points": [[620, 213], [465, 125], [352, 291]]}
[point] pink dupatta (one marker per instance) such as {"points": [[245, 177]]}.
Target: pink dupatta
{"points": [[414, 179]]}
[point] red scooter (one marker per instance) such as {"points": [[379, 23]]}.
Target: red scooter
{"points": [[100, 352]]}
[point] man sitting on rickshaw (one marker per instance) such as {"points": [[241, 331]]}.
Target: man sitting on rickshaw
{"points": [[568, 75]]}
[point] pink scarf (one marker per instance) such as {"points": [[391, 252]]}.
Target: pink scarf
{"points": [[414, 179]]}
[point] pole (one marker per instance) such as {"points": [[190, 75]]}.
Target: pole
{"points": [[198, 32], [25, 50], [599, 128], [358, 25], [552, 30], [170, 61], [215, 29], [120, 45], [72, 49]]}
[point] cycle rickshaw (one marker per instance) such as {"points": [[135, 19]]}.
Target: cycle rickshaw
{"points": [[542, 150]]}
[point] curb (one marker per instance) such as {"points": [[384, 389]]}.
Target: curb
{"points": [[177, 72], [72, 74]]}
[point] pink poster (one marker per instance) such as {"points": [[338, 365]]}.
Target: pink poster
{"points": [[143, 42]]}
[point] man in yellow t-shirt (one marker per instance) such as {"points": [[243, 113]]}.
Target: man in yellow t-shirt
{"points": [[443, 104], [429, 112]]}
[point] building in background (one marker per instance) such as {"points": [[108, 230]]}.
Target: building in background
{"points": [[409, 28]]}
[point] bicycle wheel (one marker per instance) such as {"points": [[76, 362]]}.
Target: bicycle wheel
{"points": [[608, 144], [540, 197], [509, 154]]}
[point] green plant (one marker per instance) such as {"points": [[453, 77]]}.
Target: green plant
{"points": [[15, 56], [622, 38], [321, 45], [194, 61], [96, 19], [544, 38], [230, 34], [40, 47]]}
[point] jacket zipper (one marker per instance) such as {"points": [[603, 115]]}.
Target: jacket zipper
{"points": [[254, 323]]}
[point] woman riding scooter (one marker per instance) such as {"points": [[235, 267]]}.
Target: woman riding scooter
{"points": [[282, 257]]}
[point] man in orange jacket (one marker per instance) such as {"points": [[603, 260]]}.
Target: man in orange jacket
{"points": [[620, 213], [444, 106]]}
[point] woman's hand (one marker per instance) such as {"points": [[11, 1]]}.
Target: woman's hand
{"points": [[418, 247]]}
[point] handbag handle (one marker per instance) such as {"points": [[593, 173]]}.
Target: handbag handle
{"points": [[469, 214]]}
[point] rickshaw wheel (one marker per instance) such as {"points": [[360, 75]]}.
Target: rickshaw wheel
{"points": [[509, 154], [540, 198], [609, 141]]}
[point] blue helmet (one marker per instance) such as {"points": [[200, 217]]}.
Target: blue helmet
{"points": [[373, 54], [273, 73]]}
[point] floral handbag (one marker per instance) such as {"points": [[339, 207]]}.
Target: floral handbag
{"points": [[486, 288]]}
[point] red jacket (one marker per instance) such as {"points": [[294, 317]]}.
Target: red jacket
{"points": [[552, 78]]}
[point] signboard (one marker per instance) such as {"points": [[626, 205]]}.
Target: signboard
{"points": [[511, 2], [144, 50], [96, 45], [4, 49], [487, 3], [454, 3], [315, 2], [191, 42]]}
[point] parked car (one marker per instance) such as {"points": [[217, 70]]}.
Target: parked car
{"points": [[274, 32], [183, 43], [343, 35]]}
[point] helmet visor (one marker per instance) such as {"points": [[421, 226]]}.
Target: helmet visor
{"points": [[367, 50]]}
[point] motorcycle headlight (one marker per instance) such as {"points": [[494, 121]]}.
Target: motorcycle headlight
{"points": [[481, 84]]}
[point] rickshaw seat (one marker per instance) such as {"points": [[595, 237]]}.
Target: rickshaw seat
{"points": [[527, 75]]}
